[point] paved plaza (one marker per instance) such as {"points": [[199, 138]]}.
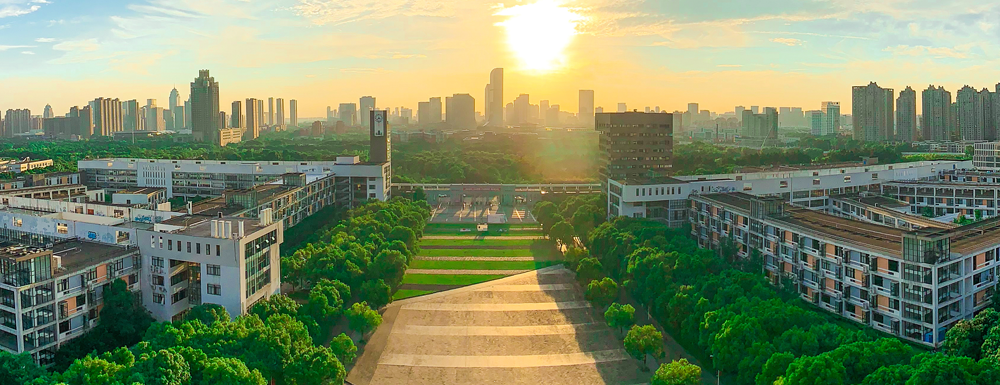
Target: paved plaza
{"points": [[532, 328]]}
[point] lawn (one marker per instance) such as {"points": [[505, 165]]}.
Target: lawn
{"points": [[477, 242], [454, 280], [456, 229], [481, 265], [403, 293], [476, 252]]}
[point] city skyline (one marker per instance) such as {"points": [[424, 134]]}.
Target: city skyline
{"points": [[63, 54]]}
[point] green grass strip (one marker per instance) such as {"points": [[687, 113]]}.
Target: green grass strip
{"points": [[434, 279], [404, 294], [476, 252], [477, 242], [481, 265]]}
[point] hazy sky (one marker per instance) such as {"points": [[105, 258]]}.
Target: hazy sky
{"points": [[719, 53]]}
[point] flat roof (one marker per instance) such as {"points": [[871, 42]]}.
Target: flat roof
{"points": [[201, 225], [653, 180], [883, 238], [739, 200], [77, 254], [141, 190], [881, 201]]}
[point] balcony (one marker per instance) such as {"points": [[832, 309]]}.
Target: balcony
{"points": [[863, 282], [857, 265]]}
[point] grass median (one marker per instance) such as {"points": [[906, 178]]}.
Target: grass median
{"points": [[481, 265], [476, 253], [454, 280]]}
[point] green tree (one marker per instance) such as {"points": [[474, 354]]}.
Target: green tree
{"points": [[230, 371], [389, 265], [376, 292], [207, 314], [603, 292], [775, 367], [642, 341], [405, 235], [679, 372], [163, 367], [890, 375], [317, 366], [942, 369], [362, 318], [562, 231], [589, 269], [324, 301], [620, 316], [816, 370], [574, 255], [343, 347], [18, 369], [419, 194]]}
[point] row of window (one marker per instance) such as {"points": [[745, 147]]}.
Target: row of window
{"points": [[154, 243]]}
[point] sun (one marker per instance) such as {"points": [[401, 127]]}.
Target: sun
{"points": [[538, 33]]}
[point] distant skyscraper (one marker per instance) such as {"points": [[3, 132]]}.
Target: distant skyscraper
{"points": [[622, 107], [176, 111], [174, 99], [16, 122], [187, 114], [739, 112], [270, 111], [365, 105], [406, 115], [657, 155], [223, 120], [760, 126], [179, 117], [347, 113], [936, 113], [293, 112], [693, 109], [976, 120], [906, 115], [280, 119], [154, 117], [872, 112], [831, 117], [493, 105], [253, 119], [521, 113], [47, 113], [107, 116], [132, 116], [236, 118], [586, 114], [461, 112], [815, 119], [205, 108], [543, 107], [755, 109], [436, 110], [260, 113]]}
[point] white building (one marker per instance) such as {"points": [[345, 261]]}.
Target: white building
{"points": [[987, 156]]}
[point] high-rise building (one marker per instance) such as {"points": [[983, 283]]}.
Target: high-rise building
{"points": [[405, 115], [380, 140], [205, 108], [739, 112], [76, 123], [347, 113], [154, 117], [270, 111], [626, 159], [236, 117], [586, 114], [622, 107], [543, 108], [179, 117], [755, 109], [760, 126], [330, 117], [260, 113], [174, 99], [936, 114], [494, 99], [293, 113], [132, 115], [976, 120], [815, 119], [831, 118], [107, 116], [365, 105], [461, 111], [872, 112], [424, 112], [47, 112], [187, 114], [16, 122], [906, 115], [436, 110], [223, 120], [552, 115], [521, 110], [280, 117], [693, 109], [253, 119]]}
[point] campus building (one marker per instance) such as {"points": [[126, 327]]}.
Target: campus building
{"points": [[986, 156], [911, 283], [295, 198], [635, 145]]}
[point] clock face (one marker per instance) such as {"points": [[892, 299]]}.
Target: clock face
{"points": [[379, 129]]}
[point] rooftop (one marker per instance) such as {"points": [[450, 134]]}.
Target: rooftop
{"points": [[201, 225], [883, 238], [77, 254], [142, 190]]}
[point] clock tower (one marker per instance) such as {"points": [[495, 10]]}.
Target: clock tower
{"points": [[381, 148]]}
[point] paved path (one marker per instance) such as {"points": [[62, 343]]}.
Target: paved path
{"points": [[487, 259], [532, 328], [464, 272], [486, 238]]}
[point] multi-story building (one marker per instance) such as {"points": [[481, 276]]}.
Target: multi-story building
{"points": [[295, 198], [976, 120], [18, 166], [154, 117], [76, 124], [280, 116], [365, 105], [635, 145], [236, 118], [913, 284], [461, 111], [494, 99], [936, 114], [107, 116], [253, 122], [873, 113], [16, 122], [293, 113], [986, 156], [348, 114], [132, 116], [906, 115], [50, 295], [586, 108], [761, 126], [205, 108]]}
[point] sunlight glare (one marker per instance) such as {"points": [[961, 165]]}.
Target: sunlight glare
{"points": [[539, 33]]}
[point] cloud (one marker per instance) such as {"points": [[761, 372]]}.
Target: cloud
{"points": [[363, 70], [7, 47], [27, 52], [45, 40], [77, 45], [937, 52], [17, 10], [787, 41], [729, 65], [347, 11], [408, 56]]}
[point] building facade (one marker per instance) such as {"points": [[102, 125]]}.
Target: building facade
{"points": [[906, 115], [205, 108], [635, 145], [872, 113]]}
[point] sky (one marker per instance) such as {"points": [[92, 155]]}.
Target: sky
{"points": [[667, 53]]}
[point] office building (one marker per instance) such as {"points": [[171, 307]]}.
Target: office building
{"points": [[16, 122], [586, 113], [906, 115], [405, 115], [872, 113], [187, 114], [261, 115], [831, 118], [760, 126], [494, 105], [280, 116], [623, 157], [253, 120], [75, 124], [236, 117], [107, 116], [365, 105], [986, 156], [205, 108], [293, 113], [815, 119], [155, 120], [755, 109], [270, 112], [976, 120], [132, 115], [461, 110], [936, 112], [174, 99], [436, 110], [348, 114], [180, 116]]}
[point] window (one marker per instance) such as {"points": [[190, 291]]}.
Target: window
{"points": [[214, 289], [157, 262], [158, 280], [170, 244], [189, 247], [783, 184], [218, 250], [874, 175], [61, 286], [847, 179], [215, 270], [208, 249], [62, 228], [815, 182], [197, 248], [178, 296], [158, 298], [152, 242], [17, 222]]}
